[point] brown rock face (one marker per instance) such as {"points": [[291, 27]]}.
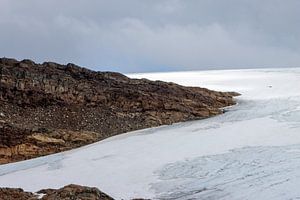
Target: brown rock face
{"points": [[69, 192], [47, 108], [19, 144], [13, 194], [75, 192]]}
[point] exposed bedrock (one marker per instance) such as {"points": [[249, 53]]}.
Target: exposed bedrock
{"points": [[69, 192]]}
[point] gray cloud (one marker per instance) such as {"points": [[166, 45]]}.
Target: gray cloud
{"points": [[156, 35]]}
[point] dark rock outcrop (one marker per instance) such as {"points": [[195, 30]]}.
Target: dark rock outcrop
{"points": [[47, 108], [69, 192], [13, 194]]}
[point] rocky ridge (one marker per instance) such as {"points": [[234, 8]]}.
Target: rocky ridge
{"points": [[48, 108]]}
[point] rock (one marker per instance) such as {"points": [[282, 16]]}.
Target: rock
{"points": [[2, 114], [69, 192], [19, 144], [45, 139], [13, 194], [51, 107], [74, 192]]}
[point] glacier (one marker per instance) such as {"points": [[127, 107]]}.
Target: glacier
{"points": [[252, 151]]}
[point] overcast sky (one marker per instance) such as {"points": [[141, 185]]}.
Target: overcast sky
{"points": [[153, 35]]}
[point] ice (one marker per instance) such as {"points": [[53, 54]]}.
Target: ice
{"points": [[247, 173], [250, 152]]}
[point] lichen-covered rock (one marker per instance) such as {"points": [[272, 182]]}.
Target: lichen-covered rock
{"points": [[19, 144], [69, 192], [74, 192], [16, 194], [48, 108]]}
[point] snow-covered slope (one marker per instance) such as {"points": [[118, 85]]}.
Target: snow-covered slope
{"points": [[250, 152]]}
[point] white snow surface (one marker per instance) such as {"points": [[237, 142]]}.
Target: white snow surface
{"points": [[250, 152]]}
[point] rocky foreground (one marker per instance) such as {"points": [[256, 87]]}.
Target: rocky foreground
{"points": [[69, 192]]}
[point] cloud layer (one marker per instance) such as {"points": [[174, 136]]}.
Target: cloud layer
{"points": [[156, 35]]}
